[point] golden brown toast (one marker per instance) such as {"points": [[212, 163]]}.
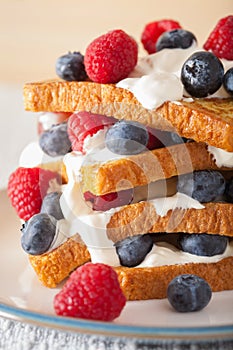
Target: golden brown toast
{"points": [[53, 267], [139, 218], [152, 282], [145, 168], [204, 120]]}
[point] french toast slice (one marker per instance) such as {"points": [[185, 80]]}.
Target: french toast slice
{"points": [[152, 282], [142, 217], [206, 120], [145, 168], [54, 266]]}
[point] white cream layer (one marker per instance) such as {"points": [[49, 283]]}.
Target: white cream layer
{"points": [[166, 254], [156, 77], [221, 157], [32, 155]]}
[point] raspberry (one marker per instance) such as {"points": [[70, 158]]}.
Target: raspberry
{"points": [[91, 292], [109, 200], [220, 40], [153, 30], [83, 124], [26, 189], [111, 57]]}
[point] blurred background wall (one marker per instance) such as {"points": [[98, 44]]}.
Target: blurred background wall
{"points": [[34, 33]]}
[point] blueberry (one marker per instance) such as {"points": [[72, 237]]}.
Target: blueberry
{"points": [[38, 233], [176, 38], [228, 81], [176, 139], [55, 141], [188, 292], [133, 250], [204, 186], [126, 137], [51, 205], [202, 74], [229, 191], [70, 67], [203, 244]]}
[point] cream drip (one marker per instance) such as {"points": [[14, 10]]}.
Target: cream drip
{"points": [[156, 77], [221, 157]]}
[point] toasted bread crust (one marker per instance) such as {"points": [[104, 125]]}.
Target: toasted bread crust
{"points": [[206, 120], [139, 218], [53, 267], [146, 167], [107, 99], [152, 282]]}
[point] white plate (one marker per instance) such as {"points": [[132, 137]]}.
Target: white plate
{"points": [[23, 297]]}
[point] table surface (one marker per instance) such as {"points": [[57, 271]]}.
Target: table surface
{"points": [[16, 335]]}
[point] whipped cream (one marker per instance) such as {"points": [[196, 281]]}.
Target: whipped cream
{"points": [[61, 234], [96, 141], [221, 157], [179, 200], [156, 77], [164, 253], [32, 155], [48, 119]]}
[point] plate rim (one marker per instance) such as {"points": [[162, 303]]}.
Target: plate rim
{"points": [[83, 326]]}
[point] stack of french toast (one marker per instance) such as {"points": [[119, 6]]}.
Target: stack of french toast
{"points": [[152, 215]]}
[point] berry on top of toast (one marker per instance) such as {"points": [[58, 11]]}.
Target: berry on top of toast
{"points": [[111, 57], [153, 30], [220, 40]]}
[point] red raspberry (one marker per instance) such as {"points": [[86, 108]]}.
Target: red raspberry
{"points": [[220, 40], [26, 189], [83, 124], [153, 30], [91, 292], [111, 57], [109, 200]]}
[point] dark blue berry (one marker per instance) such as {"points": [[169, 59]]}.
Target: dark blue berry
{"points": [[228, 81], [229, 191], [176, 139], [202, 74], [127, 137], [38, 233], [203, 244], [51, 205], [55, 141], [188, 292], [70, 67], [133, 250], [176, 38], [204, 186]]}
